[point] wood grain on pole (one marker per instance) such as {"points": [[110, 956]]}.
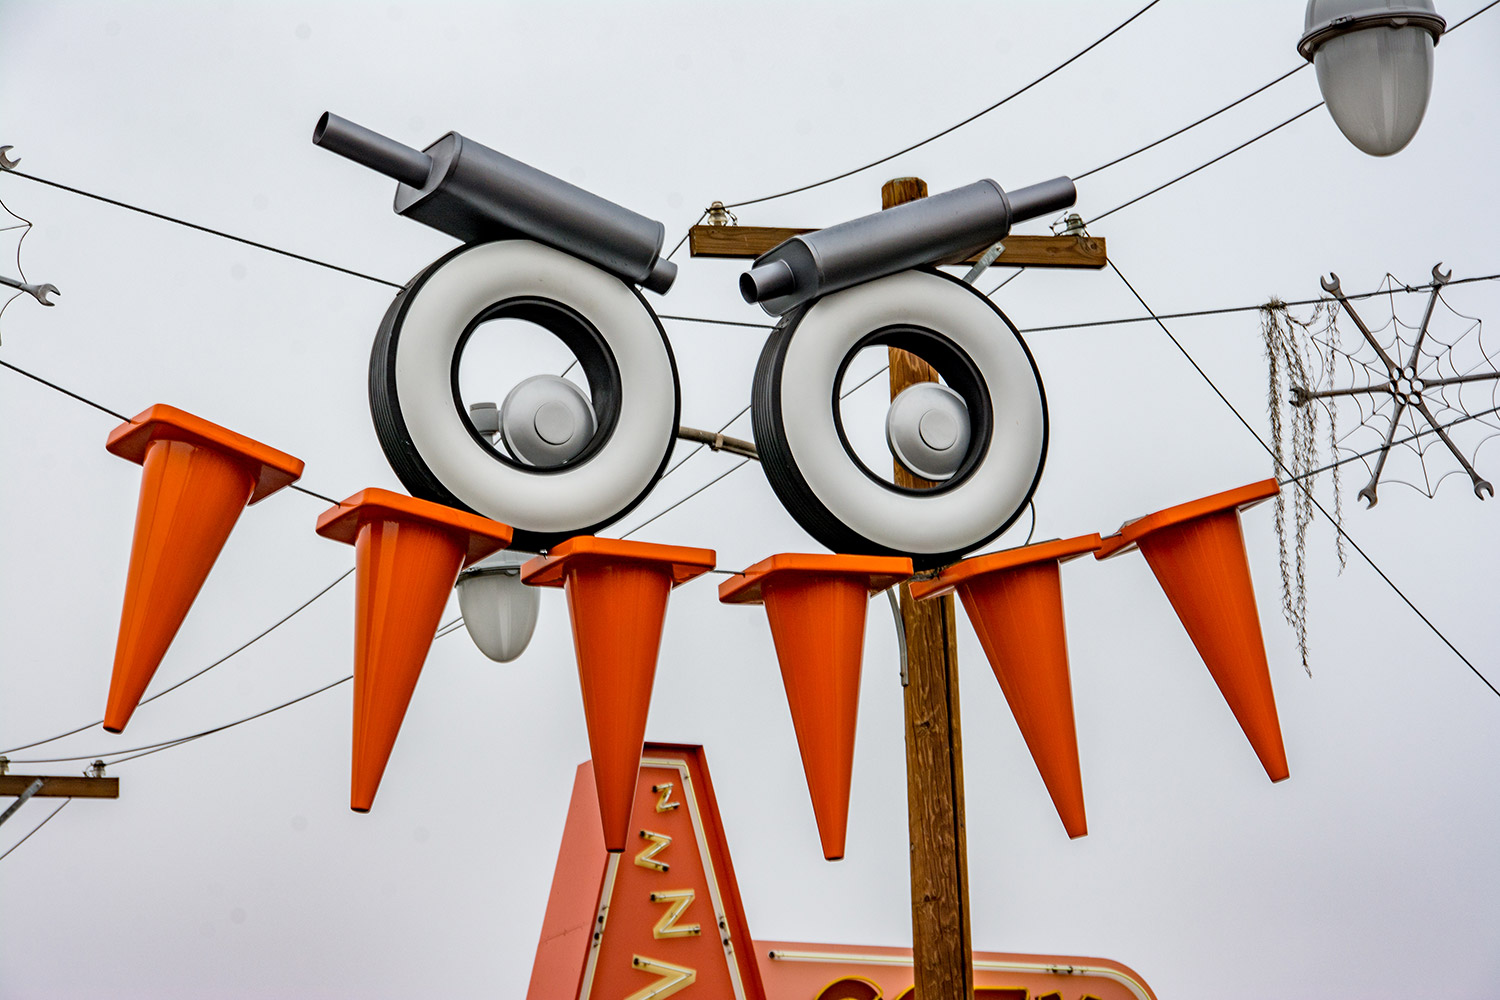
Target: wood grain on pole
{"points": [[942, 951], [748, 242], [60, 786]]}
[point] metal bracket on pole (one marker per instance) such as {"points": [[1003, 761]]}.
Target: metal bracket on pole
{"points": [[31, 789], [890, 593]]}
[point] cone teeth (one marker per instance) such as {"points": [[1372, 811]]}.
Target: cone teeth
{"points": [[407, 556], [1197, 552], [816, 606], [1014, 600], [197, 479], [617, 600]]}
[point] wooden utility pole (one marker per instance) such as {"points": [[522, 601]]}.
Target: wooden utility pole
{"points": [[942, 951], [941, 946]]}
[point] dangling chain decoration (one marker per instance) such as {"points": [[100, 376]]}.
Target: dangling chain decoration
{"points": [[1290, 353]]}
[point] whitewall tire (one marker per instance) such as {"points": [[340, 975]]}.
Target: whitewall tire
{"points": [[623, 350], [817, 475]]}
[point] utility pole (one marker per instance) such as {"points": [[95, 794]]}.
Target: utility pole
{"points": [[941, 946], [942, 950]]}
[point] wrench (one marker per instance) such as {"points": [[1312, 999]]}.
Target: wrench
{"points": [[6, 163], [38, 292]]}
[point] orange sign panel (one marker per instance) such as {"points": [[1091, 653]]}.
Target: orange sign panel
{"points": [[663, 919]]}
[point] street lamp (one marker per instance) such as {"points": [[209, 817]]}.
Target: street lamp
{"points": [[1374, 63], [499, 610]]}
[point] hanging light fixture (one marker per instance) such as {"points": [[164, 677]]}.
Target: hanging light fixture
{"points": [[1374, 64], [499, 610]]}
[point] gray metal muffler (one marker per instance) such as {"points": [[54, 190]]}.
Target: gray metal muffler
{"points": [[947, 226], [477, 194]]}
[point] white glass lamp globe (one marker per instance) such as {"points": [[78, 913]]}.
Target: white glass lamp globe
{"points": [[499, 610], [1374, 64]]}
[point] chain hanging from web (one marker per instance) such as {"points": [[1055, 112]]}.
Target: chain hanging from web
{"points": [[1294, 353]]}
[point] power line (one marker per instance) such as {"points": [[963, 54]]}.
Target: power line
{"points": [[150, 748], [952, 128], [685, 499], [722, 428], [1242, 145], [232, 653], [1460, 24], [164, 744], [314, 493], [1211, 115], [66, 392], [724, 322], [120, 416], [203, 229], [1201, 166], [1404, 289], [36, 828], [1409, 438], [1303, 487], [686, 235], [1188, 314], [1007, 281]]}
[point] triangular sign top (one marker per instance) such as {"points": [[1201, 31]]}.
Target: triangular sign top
{"points": [[663, 919]]}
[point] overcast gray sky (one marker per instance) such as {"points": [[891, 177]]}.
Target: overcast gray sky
{"points": [[232, 866]]}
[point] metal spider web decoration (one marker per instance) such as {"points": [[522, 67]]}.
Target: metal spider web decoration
{"points": [[1431, 390], [16, 227], [1435, 395]]}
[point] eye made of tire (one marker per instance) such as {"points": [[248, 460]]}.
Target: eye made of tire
{"points": [[979, 437], [527, 385]]}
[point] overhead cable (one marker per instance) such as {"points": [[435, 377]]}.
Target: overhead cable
{"points": [[952, 128], [164, 744], [36, 828], [1304, 487], [1404, 289], [1386, 447], [202, 229], [1201, 166], [743, 462], [120, 416], [1208, 117], [194, 676]]}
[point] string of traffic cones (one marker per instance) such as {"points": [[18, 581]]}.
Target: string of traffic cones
{"points": [[198, 477]]}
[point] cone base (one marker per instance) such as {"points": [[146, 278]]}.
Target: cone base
{"points": [[816, 605], [1014, 600], [408, 554], [1197, 553], [617, 601]]}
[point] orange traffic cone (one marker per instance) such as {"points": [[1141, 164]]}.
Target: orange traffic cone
{"points": [[1014, 600], [617, 598], [1197, 552], [198, 477], [816, 604], [407, 554]]}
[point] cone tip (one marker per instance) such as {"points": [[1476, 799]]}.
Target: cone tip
{"points": [[114, 729], [833, 857], [360, 809]]}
